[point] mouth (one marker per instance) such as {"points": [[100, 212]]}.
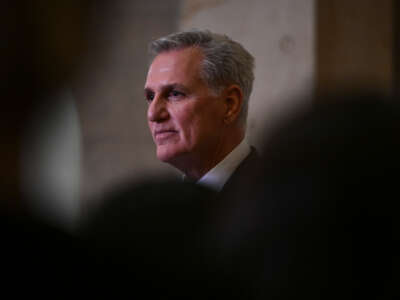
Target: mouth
{"points": [[161, 135]]}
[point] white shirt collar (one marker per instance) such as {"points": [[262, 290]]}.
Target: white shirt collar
{"points": [[219, 175]]}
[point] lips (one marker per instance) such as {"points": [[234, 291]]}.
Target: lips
{"points": [[164, 134]]}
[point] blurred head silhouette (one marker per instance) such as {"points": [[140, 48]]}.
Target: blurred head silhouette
{"points": [[323, 220]]}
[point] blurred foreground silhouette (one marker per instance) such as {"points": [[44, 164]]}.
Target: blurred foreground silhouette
{"points": [[323, 221]]}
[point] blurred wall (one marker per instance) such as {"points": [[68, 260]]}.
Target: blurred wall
{"points": [[51, 161], [355, 44]]}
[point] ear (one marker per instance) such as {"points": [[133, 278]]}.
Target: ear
{"points": [[233, 102]]}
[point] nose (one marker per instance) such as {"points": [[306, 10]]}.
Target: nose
{"points": [[157, 110]]}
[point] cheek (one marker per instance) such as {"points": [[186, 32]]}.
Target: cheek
{"points": [[184, 119], [188, 132], [191, 135], [196, 132], [197, 123]]}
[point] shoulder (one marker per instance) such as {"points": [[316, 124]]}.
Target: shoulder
{"points": [[243, 174]]}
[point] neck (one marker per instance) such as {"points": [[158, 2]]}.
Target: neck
{"points": [[195, 169]]}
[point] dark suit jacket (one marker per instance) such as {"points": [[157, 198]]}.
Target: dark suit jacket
{"points": [[241, 179], [230, 217], [235, 202]]}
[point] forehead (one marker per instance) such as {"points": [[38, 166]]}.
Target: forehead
{"points": [[176, 64]]}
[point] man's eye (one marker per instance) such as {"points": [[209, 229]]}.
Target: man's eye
{"points": [[176, 94], [149, 97]]}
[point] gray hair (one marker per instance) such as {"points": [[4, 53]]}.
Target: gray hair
{"points": [[225, 61]]}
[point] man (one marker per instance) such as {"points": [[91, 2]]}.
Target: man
{"points": [[197, 88]]}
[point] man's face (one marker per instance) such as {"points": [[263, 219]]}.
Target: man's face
{"points": [[184, 115]]}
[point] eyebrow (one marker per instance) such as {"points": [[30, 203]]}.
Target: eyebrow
{"points": [[166, 87]]}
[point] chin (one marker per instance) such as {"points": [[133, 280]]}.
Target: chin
{"points": [[169, 154], [166, 155]]}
